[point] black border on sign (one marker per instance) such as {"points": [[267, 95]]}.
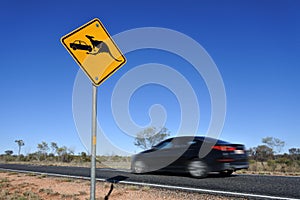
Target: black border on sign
{"points": [[81, 66]]}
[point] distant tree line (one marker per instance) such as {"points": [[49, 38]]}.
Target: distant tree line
{"points": [[269, 157], [45, 152], [264, 157]]}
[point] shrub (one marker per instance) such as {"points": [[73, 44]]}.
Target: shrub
{"points": [[272, 164]]}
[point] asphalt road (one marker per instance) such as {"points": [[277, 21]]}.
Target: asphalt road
{"points": [[273, 186]]}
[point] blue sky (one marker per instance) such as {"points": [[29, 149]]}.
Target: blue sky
{"points": [[255, 45]]}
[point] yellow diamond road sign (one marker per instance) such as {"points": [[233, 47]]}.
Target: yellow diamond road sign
{"points": [[94, 50]]}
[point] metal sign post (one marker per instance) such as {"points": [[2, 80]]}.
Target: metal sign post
{"points": [[99, 57], [93, 143]]}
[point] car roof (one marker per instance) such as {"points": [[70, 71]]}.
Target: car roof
{"points": [[199, 138]]}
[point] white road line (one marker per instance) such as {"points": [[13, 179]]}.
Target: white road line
{"points": [[160, 186], [207, 191], [268, 175]]}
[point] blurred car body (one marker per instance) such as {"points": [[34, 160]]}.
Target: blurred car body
{"points": [[183, 154]]}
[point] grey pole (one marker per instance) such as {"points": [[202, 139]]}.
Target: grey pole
{"points": [[93, 144]]}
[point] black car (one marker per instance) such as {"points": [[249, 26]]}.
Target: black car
{"points": [[80, 45], [196, 155]]}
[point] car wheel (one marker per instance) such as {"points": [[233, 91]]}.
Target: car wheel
{"points": [[197, 168], [74, 48], [138, 167], [90, 49], [226, 173]]}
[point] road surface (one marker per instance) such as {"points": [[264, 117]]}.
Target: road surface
{"points": [[250, 186]]}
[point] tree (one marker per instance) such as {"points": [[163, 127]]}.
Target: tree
{"points": [[9, 152], [54, 147], [294, 153], [65, 154], [43, 148], [20, 144], [274, 143], [150, 136], [84, 157], [262, 153]]}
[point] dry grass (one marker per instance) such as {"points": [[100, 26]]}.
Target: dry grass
{"points": [[103, 164], [269, 168], [22, 187]]}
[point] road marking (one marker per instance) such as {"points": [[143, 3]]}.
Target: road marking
{"points": [[283, 176], [207, 191], [159, 186]]}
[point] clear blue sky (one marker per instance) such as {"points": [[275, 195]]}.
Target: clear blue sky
{"points": [[255, 45]]}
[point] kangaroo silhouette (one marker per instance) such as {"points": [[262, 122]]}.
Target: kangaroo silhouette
{"points": [[102, 47]]}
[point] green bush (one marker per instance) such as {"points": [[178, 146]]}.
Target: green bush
{"points": [[284, 160], [272, 164]]}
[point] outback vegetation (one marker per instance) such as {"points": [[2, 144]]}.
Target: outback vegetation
{"points": [[52, 154], [43, 152], [266, 158], [150, 136]]}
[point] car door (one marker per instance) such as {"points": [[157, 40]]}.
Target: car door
{"points": [[170, 154], [161, 155]]}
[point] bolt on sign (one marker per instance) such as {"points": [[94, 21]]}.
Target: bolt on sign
{"points": [[94, 50]]}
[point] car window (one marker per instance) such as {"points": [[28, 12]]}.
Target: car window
{"points": [[180, 144], [164, 145], [183, 142], [176, 143]]}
